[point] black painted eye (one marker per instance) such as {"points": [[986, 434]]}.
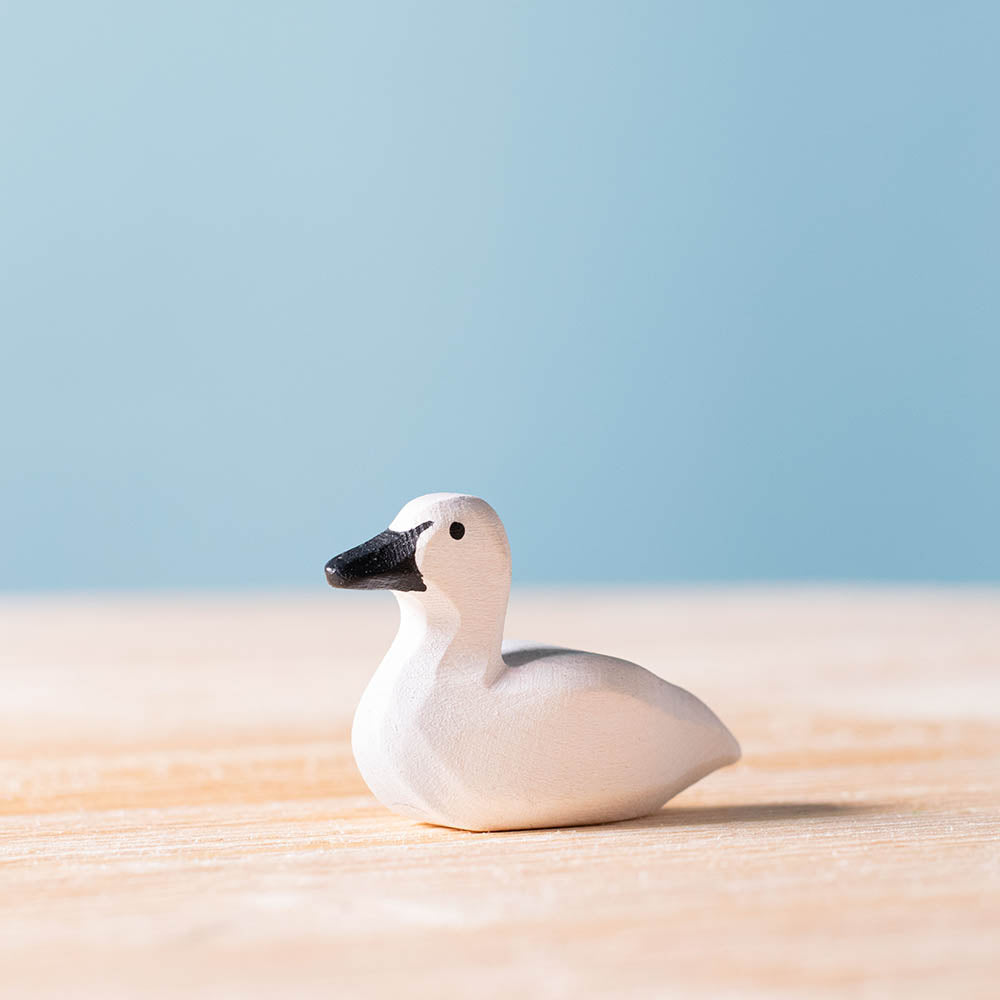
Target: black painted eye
{"points": [[457, 530]]}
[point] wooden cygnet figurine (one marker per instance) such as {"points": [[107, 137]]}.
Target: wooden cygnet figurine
{"points": [[462, 729]]}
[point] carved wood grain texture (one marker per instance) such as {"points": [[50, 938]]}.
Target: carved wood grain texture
{"points": [[181, 814]]}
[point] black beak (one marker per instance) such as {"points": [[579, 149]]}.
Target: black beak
{"points": [[386, 562]]}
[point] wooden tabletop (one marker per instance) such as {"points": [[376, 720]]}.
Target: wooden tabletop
{"points": [[182, 814]]}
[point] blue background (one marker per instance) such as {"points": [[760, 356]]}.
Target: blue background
{"points": [[688, 291]]}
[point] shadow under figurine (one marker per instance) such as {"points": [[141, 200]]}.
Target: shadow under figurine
{"points": [[462, 729]]}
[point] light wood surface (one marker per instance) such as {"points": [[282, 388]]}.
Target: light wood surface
{"points": [[182, 816]]}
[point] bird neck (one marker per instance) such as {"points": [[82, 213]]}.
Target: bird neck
{"points": [[436, 634]]}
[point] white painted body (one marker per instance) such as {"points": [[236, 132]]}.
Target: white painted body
{"points": [[456, 730]]}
